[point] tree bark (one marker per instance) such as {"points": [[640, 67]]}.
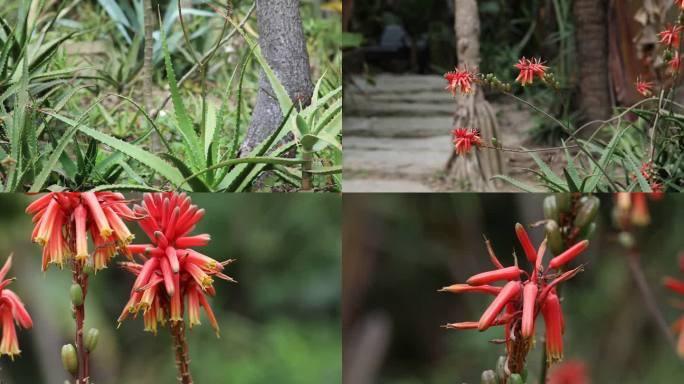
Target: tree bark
{"points": [[592, 54], [282, 43], [473, 111]]}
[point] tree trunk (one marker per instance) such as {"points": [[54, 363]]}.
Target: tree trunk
{"points": [[592, 54], [473, 111], [282, 43]]}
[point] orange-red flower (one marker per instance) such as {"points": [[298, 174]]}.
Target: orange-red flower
{"points": [[171, 273], [670, 36], [64, 219], [528, 69], [645, 88], [519, 301], [675, 62], [11, 310], [677, 286], [631, 208], [465, 139], [461, 79], [679, 3]]}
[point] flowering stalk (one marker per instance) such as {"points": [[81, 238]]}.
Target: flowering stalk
{"points": [[524, 296], [631, 212], [677, 286], [171, 273], [63, 221]]}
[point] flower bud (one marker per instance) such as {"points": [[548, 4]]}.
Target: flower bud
{"points": [[588, 231], [88, 269], [69, 358], [501, 368], [76, 294], [563, 202], [554, 238], [550, 208], [515, 379], [626, 239], [91, 339], [488, 377], [587, 212]]}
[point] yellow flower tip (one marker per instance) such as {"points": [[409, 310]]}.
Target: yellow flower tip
{"points": [[42, 241], [80, 257], [106, 232]]}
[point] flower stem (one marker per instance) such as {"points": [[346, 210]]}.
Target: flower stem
{"points": [[648, 297], [180, 348], [80, 278]]}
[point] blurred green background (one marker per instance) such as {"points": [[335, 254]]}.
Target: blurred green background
{"points": [[399, 249], [279, 324]]}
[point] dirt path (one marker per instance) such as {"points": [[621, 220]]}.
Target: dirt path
{"points": [[397, 135]]}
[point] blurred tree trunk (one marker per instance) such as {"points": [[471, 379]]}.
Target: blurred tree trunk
{"points": [[592, 55], [282, 43], [347, 12], [473, 111]]}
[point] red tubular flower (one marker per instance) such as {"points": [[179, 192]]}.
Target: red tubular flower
{"points": [[460, 80], [529, 303], [568, 255], [510, 273], [677, 286], [670, 36], [525, 242], [645, 88], [680, 4], [11, 310], [518, 303], [171, 273], [63, 220], [464, 139], [508, 293], [553, 318]]}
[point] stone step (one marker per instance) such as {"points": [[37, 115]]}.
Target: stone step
{"points": [[411, 157], [376, 185], [398, 127], [412, 97], [397, 109], [385, 83]]}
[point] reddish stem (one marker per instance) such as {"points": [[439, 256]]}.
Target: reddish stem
{"points": [[180, 348], [80, 278]]}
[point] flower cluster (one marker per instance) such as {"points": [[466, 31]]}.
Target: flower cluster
{"points": [[669, 38], [11, 310], [529, 69], [460, 80], [519, 301], [63, 221], [677, 286], [465, 139], [171, 273]]}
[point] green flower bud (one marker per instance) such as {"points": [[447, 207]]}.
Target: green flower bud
{"points": [[76, 294], [550, 208], [524, 374], [91, 339], [554, 238], [515, 379], [69, 358], [587, 211], [488, 377], [88, 269], [588, 231], [563, 202], [626, 239], [501, 368]]}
